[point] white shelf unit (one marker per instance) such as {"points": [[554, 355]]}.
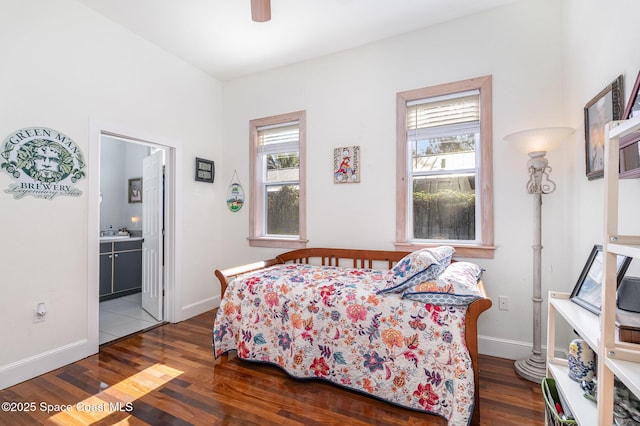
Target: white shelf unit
{"points": [[615, 358], [586, 324]]}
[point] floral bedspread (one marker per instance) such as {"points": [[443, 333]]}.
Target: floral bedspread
{"points": [[329, 323]]}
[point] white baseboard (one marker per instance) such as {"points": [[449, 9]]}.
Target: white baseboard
{"points": [[33, 366], [509, 349], [198, 308]]}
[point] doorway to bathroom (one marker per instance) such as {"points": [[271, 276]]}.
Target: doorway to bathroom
{"points": [[132, 230]]}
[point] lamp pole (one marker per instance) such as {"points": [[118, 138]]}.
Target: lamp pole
{"points": [[537, 142], [533, 367]]}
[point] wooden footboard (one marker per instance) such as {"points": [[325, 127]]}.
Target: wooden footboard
{"points": [[225, 276], [471, 336], [368, 259]]}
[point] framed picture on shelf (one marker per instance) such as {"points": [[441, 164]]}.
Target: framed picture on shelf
{"points": [[587, 292], [606, 106]]}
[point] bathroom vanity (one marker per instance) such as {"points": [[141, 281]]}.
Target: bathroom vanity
{"points": [[120, 266]]}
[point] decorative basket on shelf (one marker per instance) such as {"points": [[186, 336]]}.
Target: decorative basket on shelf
{"points": [[553, 406]]}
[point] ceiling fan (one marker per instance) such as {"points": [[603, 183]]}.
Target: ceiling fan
{"points": [[261, 10]]}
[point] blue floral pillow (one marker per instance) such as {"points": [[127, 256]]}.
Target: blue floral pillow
{"points": [[416, 267], [457, 285]]}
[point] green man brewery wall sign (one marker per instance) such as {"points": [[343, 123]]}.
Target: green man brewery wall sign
{"points": [[44, 163]]}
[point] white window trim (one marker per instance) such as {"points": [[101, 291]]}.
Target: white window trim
{"points": [[485, 248], [257, 237]]}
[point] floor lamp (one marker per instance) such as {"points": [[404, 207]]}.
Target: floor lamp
{"points": [[536, 143]]}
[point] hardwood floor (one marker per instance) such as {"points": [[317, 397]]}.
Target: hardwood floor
{"points": [[167, 376]]}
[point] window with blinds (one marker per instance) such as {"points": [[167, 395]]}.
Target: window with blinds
{"points": [[443, 133], [278, 151], [443, 142], [276, 147]]}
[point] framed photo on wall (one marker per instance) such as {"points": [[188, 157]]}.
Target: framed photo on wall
{"points": [[346, 164], [606, 106], [205, 170], [588, 290], [135, 190]]}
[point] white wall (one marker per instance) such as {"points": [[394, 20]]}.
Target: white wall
{"points": [[350, 100], [600, 42], [64, 66], [112, 192]]}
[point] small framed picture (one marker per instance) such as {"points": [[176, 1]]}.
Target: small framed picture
{"points": [[346, 164], [608, 105], [135, 190], [633, 106], [205, 170], [588, 290]]}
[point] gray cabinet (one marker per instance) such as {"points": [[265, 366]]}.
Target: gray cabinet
{"points": [[106, 269], [120, 268]]}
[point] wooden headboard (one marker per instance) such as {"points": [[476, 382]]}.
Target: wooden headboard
{"points": [[361, 259]]}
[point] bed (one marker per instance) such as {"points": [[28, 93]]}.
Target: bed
{"points": [[341, 315]]}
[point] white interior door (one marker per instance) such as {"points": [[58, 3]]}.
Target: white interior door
{"points": [[152, 228]]}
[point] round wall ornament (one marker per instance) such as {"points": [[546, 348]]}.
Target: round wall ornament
{"points": [[235, 194], [45, 163], [235, 197]]}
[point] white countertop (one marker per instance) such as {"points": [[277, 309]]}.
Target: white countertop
{"points": [[112, 238]]}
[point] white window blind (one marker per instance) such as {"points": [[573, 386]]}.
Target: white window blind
{"points": [[278, 138], [458, 111]]}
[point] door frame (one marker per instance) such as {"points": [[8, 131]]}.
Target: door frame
{"points": [[172, 237]]}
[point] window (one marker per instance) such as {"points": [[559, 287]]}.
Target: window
{"points": [[445, 171], [277, 195]]}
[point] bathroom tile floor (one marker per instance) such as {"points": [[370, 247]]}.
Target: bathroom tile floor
{"points": [[123, 316]]}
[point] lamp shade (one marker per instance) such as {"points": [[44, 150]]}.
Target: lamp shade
{"points": [[542, 139]]}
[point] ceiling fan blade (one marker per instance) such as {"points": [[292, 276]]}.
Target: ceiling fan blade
{"points": [[261, 10]]}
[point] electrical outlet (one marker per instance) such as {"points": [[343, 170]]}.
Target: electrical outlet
{"points": [[503, 303], [39, 312]]}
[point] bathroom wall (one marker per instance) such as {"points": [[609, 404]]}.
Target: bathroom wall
{"points": [[119, 162]]}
